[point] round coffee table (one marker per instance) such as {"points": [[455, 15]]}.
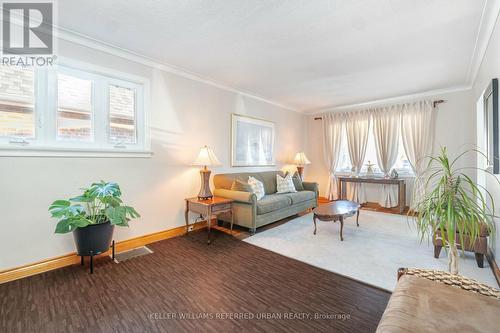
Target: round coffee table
{"points": [[336, 211]]}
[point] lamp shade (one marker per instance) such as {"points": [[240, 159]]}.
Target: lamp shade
{"points": [[206, 157], [301, 159]]}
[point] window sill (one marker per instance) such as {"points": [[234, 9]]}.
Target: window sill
{"points": [[73, 152]]}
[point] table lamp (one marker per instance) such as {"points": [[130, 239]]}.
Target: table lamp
{"points": [[300, 160], [206, 158]]}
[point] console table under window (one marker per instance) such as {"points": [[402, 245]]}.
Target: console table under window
{"points": [[342, 191]]}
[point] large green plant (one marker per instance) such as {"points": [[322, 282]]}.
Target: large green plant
{"points": [[449, 202], [99, 203]]}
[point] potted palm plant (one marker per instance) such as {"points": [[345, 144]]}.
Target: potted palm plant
{"points": [[92, 217], [451, 205]]}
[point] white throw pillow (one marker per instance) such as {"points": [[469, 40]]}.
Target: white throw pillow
{"points": [[257, 187], [285, 184]]}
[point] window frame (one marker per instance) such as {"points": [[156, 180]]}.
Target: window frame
{"points": [[45, 141], [138, 95], [56, 141], [5, 140], [402, 172]]}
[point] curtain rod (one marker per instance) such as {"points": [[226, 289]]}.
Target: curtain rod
{"points": [[436, 102]]}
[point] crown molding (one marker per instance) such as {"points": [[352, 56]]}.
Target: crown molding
{"points": [[90, 42], [489, 18], [394, 99]]}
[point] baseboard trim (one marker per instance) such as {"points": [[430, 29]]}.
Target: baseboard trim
{"points": [[494, 267], [71, 258]]}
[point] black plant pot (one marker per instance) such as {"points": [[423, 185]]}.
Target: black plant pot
{"points": [[93, 239]]}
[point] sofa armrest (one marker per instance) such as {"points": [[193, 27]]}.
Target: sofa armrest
{"points": [[311, 186], [452, 280], [238, 196]]}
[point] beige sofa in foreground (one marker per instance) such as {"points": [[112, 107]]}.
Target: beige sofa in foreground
{"points": [[436, 301], [252, 213]]}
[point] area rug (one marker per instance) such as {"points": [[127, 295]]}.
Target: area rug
{"points": [[371, 253]]}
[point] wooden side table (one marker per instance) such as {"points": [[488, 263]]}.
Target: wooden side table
{"points": [[208, 208], [400, 183]]}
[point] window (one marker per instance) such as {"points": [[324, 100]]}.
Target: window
{"points": [[344, 163], [121, 114], [71, 109], [17, 103], [371, 152], [402, 164], [74, 108]]}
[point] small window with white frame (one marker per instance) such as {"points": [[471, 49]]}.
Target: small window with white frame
{"points": [[74, 108], [71, 109], [17, 103], [122, 110]]}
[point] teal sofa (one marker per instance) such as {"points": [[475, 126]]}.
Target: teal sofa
{"points": [[252, 213]]}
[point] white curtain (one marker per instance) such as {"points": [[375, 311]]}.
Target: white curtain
{"points": [[332, 130], [357, 127], [417, 131], [386, 123]]}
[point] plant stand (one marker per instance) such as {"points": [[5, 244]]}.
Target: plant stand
{"points": [[82, 262], [479, 247]]}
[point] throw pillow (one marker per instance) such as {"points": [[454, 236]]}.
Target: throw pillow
{"points": [[239, 185], [257, 187], [297, 182], [285, 184]]}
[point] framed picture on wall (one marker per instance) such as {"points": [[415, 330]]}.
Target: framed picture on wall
{"points": [[491, 117], [252, 141]]}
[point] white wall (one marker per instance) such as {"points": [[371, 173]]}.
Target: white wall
{"points": [[184, 115], [490, 69], [455, 129]]}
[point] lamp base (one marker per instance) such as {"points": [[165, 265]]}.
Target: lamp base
{"points": [[205, 193]]}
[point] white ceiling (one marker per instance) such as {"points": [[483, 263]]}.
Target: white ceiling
{"points": [[306, 54]]}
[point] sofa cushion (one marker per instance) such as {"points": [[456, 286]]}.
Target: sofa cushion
{"points": [[257, 187], [269, 180], [297, 182], [225, 180], [239, 185], [273, 202], [285, 184], [301, 196]]}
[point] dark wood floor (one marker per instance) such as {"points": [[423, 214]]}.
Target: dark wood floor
{"points": [[185, 277]]}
